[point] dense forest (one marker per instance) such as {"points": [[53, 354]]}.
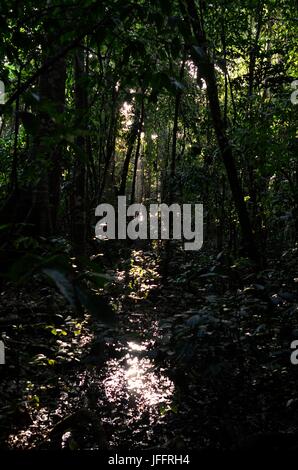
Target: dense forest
{"points": [[114, 342]]}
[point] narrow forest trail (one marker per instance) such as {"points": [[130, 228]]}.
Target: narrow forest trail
{"points": [[134, 394], [189, 364], [117, 379], [130, 388]]}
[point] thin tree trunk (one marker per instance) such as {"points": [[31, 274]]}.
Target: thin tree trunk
{"points": [[137, 154], [107, 177], [223, 36], [175, 125], [207, 71], [14, 170], [254, 52], [79, 176], [131, 142], [55, 172]]}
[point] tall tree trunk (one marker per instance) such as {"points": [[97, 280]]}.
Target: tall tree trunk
{"points": [[253, 185], [253, 54], [107, 179], [137, 154], [131, 142], [46, 194], [79, 174], [14, 169], [207, 71], [55, 172], [175, 125]]}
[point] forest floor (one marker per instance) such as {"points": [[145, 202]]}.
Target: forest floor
{"points": [[199, 358]]}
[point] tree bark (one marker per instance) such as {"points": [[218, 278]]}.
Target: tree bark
{"points": [[79, 173], [131, 142], [175, 125], [46, 194], [137, 154], [207, 71]]}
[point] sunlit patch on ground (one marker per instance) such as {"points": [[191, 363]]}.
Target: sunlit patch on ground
{"points": [[135, 378], [134, 385]]}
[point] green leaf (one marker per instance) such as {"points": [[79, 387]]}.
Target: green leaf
{"points": [[23, 267], [64, 285], [100, 280], [96, 305]]}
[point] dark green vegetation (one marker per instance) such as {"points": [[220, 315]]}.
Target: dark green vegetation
{"points": [[119, 343]]}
